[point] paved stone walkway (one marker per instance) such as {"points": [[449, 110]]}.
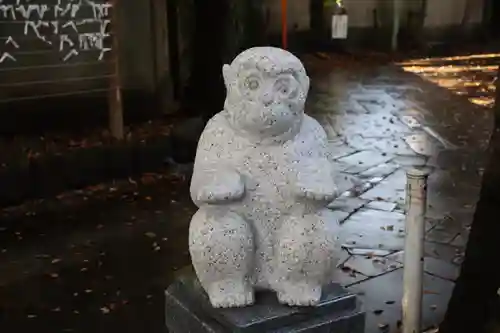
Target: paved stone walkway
{"points": [[381, 122], [99, 260]]}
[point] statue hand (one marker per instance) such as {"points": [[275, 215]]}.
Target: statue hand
{"points": [[315, 183], [226, 186], [317, 190]]}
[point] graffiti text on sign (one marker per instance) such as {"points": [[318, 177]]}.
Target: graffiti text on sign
{"points": [[62, 26]]}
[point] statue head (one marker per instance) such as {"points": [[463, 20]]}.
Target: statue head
{"points": [[266, 91]]}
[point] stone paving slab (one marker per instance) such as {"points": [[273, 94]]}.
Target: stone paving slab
{"points": [[375, 229], [340, 149], [368, 252], [347, 204], [381, 170], [372, 266], [382, 205], [422, 144], [390, 145], [346, 182], [362, 161], [391, 189], [433, 266]]}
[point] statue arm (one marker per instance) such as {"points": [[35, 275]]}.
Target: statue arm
{"points": [[314, 174], [214, 181]]}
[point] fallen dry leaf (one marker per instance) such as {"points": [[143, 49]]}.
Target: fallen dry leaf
{"points": [[383, 326], [345, 269], [148, 179]]}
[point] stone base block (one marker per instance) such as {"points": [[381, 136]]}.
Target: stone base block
{"points": [[188, 310]]}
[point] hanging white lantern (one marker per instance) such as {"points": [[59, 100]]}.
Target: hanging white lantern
{"points": [[340, 21]]}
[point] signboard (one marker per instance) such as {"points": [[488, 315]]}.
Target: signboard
{"points": [[68, 27], [58, 48], [340, 25]]}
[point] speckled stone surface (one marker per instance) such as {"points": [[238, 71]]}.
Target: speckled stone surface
{"points": [[262, 180], [188, 310]]}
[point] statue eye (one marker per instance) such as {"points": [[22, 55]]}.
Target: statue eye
{"points": [[252, 83], [283, 86], [283, 89]]}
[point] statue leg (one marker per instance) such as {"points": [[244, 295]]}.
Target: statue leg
{"points": [[222, 251], [305, 258]]}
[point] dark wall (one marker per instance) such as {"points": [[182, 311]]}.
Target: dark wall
{"points": [[494, 22]]}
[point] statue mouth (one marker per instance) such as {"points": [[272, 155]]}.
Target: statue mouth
{"points": [[273, 119]]}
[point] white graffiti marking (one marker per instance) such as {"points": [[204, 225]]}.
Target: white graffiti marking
{"points": [[55, 26], [70, 24], [11, 41], [26, 10], [6, 10], [35, 26], [103, 51], [70, 55], [61, 11], [7, 56], [101, 10], [64, 39]]}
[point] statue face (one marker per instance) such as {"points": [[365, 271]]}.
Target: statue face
{"points": [[264, 97]]}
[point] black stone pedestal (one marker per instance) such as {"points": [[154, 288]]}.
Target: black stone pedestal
{"points": [[188, 311]]}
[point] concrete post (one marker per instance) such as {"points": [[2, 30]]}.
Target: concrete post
{"points": [[416, 205], [395, 24]]}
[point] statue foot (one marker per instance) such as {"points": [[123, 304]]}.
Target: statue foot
{"points": [[299, 294], [229, 294]]}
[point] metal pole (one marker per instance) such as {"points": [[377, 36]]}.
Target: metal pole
{"points": [[416, 206], [284, 24], [115, 95]]}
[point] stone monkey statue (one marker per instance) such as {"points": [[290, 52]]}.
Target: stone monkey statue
{"points": [[262, 180]]}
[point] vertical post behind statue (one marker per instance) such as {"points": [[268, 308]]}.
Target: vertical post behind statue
{"points": [[115, 95], [284, 24], [416, 205], [396, 6]]}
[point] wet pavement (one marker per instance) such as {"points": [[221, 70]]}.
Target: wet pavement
{"points": [[382, 121], [99, 261], [469, 75], [94, 263]]}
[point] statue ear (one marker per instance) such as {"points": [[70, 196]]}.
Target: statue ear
{"points": [[307, 83], [227, 73]]}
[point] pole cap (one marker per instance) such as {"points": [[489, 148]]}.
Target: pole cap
{"points": [[418, 172]]}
